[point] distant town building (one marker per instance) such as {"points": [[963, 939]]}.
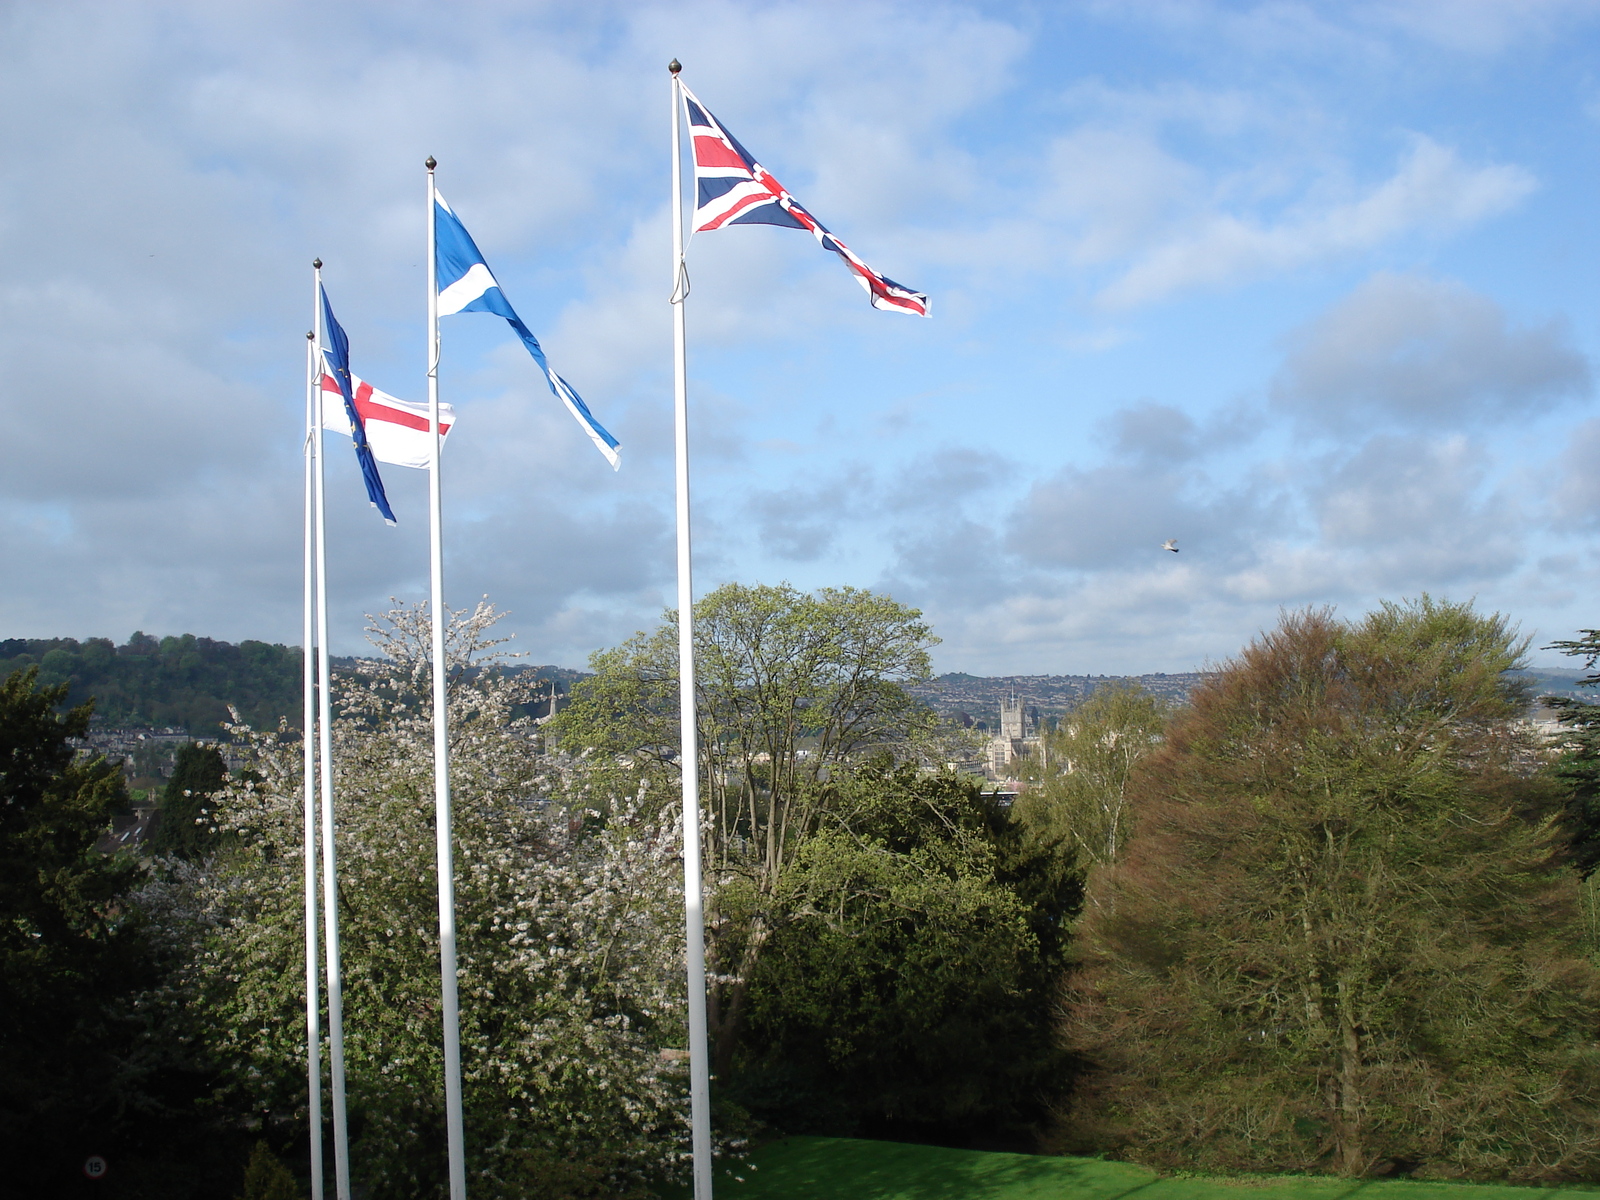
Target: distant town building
{"points": [[554, 703], [128, 830], [1018, 737], [146, 751]]}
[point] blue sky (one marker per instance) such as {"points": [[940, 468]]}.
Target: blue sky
{"points": [[1309, 287]]}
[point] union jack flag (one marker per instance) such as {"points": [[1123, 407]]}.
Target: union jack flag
{"points": [[732, 188]]}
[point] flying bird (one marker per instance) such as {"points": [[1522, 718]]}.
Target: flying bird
{"points": [[1170, 544]]}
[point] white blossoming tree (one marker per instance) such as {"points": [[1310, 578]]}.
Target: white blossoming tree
{"points": [[570, 940]]}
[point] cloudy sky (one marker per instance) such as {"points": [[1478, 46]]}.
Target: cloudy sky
{"points": [[1309, 287]]}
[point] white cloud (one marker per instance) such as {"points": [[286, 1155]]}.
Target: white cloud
{"points": [[1397, 517], [1382, 32], [1418, 350], [1119, 187], [1431, 192], [1477, 27], [184, 163], [1577, 492], [1419, 511], [1083, 579]]}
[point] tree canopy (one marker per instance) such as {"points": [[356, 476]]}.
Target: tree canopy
{"points": [[1323, 918], [183, 826], [1577, 766], [188, 682], [1342, 935], [1078, 782], [569, 952], [84, 1068], [908, 986], [791, 688], [62, 940]]}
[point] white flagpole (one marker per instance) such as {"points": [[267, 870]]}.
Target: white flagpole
{"points": [[454, 1131], [308, 726], [330, 876], [688, 753]]}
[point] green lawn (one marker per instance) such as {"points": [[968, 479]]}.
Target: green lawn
{"points": [[813, 1168]]}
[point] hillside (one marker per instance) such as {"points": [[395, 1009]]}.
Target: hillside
{"points": [[185, 682]]}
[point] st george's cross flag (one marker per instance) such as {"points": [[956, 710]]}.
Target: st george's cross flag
{"points": [[336, 363], [732, 188], [398, 431], [467, 285]]}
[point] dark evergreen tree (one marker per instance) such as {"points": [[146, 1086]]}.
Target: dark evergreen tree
{"points": [[1578, 767], [85, 1067], [68, 946], [182, 827], [265, 1178]]}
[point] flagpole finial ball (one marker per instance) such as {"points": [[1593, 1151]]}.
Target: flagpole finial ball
{"points": [[310, 336], [674, 66], [430, 164], [316, 263]]}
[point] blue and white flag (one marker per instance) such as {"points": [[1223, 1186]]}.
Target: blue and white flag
{"points": [[467, 285], [336, 357]]}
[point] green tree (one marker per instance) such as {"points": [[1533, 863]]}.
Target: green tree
{"points": [[265, 1178], [186, 681], [909, 989], [1342, 935], [1077, 789], [569, 944], [69, 948], [791, 687], [1577, 766], [183, 825]]}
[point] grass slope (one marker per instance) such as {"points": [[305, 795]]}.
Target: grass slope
{"points": [[815, 1168]]}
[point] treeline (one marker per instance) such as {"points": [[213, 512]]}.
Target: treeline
{"points": [[884, 941], [1345, 926], [1333, 915], [190, 682], [184, 682]]}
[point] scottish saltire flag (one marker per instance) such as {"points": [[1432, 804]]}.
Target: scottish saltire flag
{"points": [[732, 188], [467, 285], [336, 359], [398, 431]]}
